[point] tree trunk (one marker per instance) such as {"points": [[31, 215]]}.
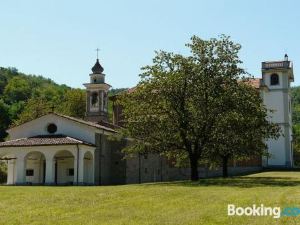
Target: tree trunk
{"points": [[194, 168], [225, 166]]}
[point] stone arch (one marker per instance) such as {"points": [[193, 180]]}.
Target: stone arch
{"points": [[274, 79], [64, 169], [88, 168], [35, 167], [9, 161]]}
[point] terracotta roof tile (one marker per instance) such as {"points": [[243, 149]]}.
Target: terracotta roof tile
{"points": [[42, 140], [255, 82]]}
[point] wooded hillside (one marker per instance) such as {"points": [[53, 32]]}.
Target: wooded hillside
{"points": [[25, 97]]}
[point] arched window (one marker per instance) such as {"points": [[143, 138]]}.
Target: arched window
{"points": [[95, 99], [274, 79]]}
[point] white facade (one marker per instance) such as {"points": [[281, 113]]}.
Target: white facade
{"points": [[52, 164], [276, 96]]}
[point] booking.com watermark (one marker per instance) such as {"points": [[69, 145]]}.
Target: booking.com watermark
{"points": [[262, 210]]}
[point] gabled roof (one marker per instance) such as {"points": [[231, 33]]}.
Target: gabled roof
{"points": [[88, 123], [43, 140]]}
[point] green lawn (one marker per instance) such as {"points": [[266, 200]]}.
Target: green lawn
{"points": [[204, 202]]}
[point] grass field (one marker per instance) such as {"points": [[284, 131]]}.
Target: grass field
{"points": [[204, 202]]}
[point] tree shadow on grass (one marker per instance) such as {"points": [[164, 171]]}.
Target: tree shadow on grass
{"points": [[243, 182]]}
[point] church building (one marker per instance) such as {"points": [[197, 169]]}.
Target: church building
{"points": [[56, 149]]}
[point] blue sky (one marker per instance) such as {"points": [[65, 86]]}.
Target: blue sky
{"points": [[58, 38]]}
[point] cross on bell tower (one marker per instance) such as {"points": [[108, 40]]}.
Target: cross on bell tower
{"points": [[97, 94], [97, 50]]}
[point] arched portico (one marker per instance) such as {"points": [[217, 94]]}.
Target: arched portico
{"points": [[35, 168], [88, 168], [10, 161], [49, 164], [64, 167]]}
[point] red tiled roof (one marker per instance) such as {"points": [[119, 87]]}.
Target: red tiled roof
{"points": [[255, 82], [130, 90], [43, 140]]}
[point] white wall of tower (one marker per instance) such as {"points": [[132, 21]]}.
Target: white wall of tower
{"points": [[278, 99]]}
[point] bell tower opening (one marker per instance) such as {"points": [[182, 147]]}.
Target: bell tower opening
{"points": [[97, 95]]}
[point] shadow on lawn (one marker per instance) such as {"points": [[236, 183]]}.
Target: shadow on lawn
{"points": [[244, 182]]}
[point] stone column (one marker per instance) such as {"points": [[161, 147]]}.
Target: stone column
{"points": [[50, 170], [20, 166], [81, 167], [76, 178], [11, 171]]}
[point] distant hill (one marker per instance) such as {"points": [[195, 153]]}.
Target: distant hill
{"points": [[24, 97]]}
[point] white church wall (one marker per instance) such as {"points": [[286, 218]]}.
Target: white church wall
{"points": [[277, 150], [274, 101], [11, 172], [63, 167], [37, 168], [49, 152], [64, 126]]}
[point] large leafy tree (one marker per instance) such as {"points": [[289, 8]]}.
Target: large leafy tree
{"points": [[241, 131], [177, 107]]}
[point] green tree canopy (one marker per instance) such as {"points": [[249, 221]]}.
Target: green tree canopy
{"points": [[17, 89], [74, 103], [178, 105], [241, 131]]}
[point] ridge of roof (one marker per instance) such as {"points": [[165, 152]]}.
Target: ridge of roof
{"points": [[92, 124]]}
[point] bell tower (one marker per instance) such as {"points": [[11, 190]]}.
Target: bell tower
{"points": [[277, 77], [97, 95]]}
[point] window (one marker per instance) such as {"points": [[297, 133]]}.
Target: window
{"points": [[29, 172], [274, 79], [94, 99], [70, 172], [52, 128]]}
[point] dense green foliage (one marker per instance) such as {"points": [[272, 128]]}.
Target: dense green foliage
{"points": [[24, 97]]}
